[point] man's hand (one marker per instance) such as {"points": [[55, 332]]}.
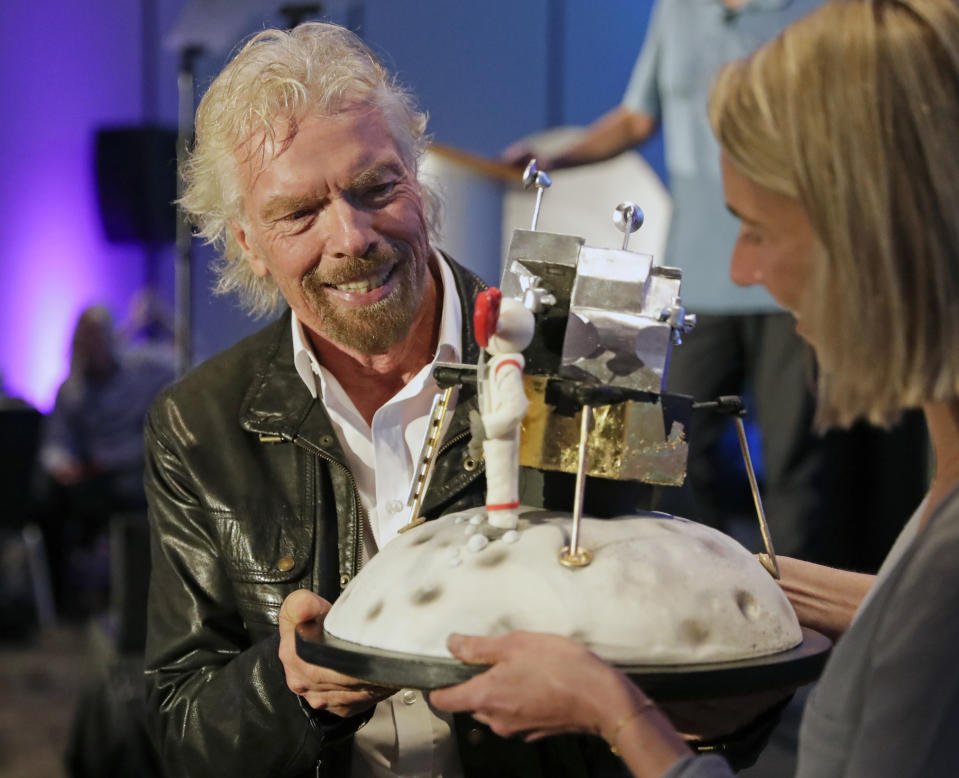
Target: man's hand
{"points": [[323, 689]]}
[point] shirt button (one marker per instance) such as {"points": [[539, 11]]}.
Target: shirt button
{"points": [[394, 506], [285, 564], [409, 697]]}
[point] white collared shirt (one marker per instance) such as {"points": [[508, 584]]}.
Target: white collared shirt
{"points": [[405, 737]]}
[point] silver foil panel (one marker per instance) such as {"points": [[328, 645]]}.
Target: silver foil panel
{"points": [[615, 334]]}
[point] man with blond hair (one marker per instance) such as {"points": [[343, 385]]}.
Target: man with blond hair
{"points": [[279, 466]]}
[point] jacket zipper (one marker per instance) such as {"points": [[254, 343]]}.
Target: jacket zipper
{"points": [[357, 504], [361, 511], [450, 443]]}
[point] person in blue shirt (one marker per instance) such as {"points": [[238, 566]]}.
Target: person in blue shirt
{"points": [[743, 343]]}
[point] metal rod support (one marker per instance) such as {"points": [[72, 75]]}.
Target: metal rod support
{"points": [[539, 202], [768, 559], [183, 281], [572, 555]]}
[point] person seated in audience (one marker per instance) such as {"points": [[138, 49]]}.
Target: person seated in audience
{"points": [[91, 451]]}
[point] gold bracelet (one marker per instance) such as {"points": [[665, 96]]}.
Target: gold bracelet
{"points": [[622, 723]]}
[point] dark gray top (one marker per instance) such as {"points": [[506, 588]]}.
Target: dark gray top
{"points": [[887, 705]]}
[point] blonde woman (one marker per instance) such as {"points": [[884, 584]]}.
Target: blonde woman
{"points": [[840, 157]]}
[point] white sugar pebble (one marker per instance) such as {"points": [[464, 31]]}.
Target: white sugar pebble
{"points": [[510, 536], [459, 519], [477, 542], [476, 519], [469, 529], [454, 561]]}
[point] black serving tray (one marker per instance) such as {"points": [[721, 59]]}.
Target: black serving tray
{"points": [[794, 667]]}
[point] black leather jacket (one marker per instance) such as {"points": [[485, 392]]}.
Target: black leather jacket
{"points": [[250, 499]]}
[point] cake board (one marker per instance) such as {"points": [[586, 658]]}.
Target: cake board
{"points": [[793, 667]]}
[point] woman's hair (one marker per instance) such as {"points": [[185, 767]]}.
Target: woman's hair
{"points": [[854, 111], [273, 81]]}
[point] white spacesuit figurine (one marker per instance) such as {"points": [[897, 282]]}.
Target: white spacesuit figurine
{"points": [[503, 401]]}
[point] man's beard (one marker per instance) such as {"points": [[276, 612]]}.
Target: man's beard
{"points": [[373, 328]]}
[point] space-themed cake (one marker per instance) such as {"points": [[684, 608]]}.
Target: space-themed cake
{"points": [[572, 379], [659, 590]]}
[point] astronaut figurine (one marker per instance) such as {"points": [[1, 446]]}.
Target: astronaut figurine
{"points": [[506, 326]]}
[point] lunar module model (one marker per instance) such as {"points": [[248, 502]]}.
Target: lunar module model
{"points": [[606, 321]]}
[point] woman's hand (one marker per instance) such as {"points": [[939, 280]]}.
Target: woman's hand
{"points": [[824, 598], [538, 684], [542, 685]]}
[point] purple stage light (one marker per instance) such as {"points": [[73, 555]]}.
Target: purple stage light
{"points": [[67, 73]]}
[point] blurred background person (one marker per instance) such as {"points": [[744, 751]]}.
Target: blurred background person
{"points": [[11, 402], [149, 323], [91, 451]]}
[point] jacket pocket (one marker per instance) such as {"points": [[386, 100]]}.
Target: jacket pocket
{"points": [[266, 558]]}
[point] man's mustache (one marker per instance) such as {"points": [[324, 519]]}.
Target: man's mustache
{"points": [[355, 268]]}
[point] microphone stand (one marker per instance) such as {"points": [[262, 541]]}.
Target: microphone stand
{"points": [[183, 291]]}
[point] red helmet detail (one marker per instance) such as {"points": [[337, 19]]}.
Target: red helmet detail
{"points": [[486, 314]]}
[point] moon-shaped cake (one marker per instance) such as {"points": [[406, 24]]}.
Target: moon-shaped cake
{"points": [[659, 590]]}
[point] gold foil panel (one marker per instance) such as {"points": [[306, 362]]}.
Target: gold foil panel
{"points": [[628, 440]]}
